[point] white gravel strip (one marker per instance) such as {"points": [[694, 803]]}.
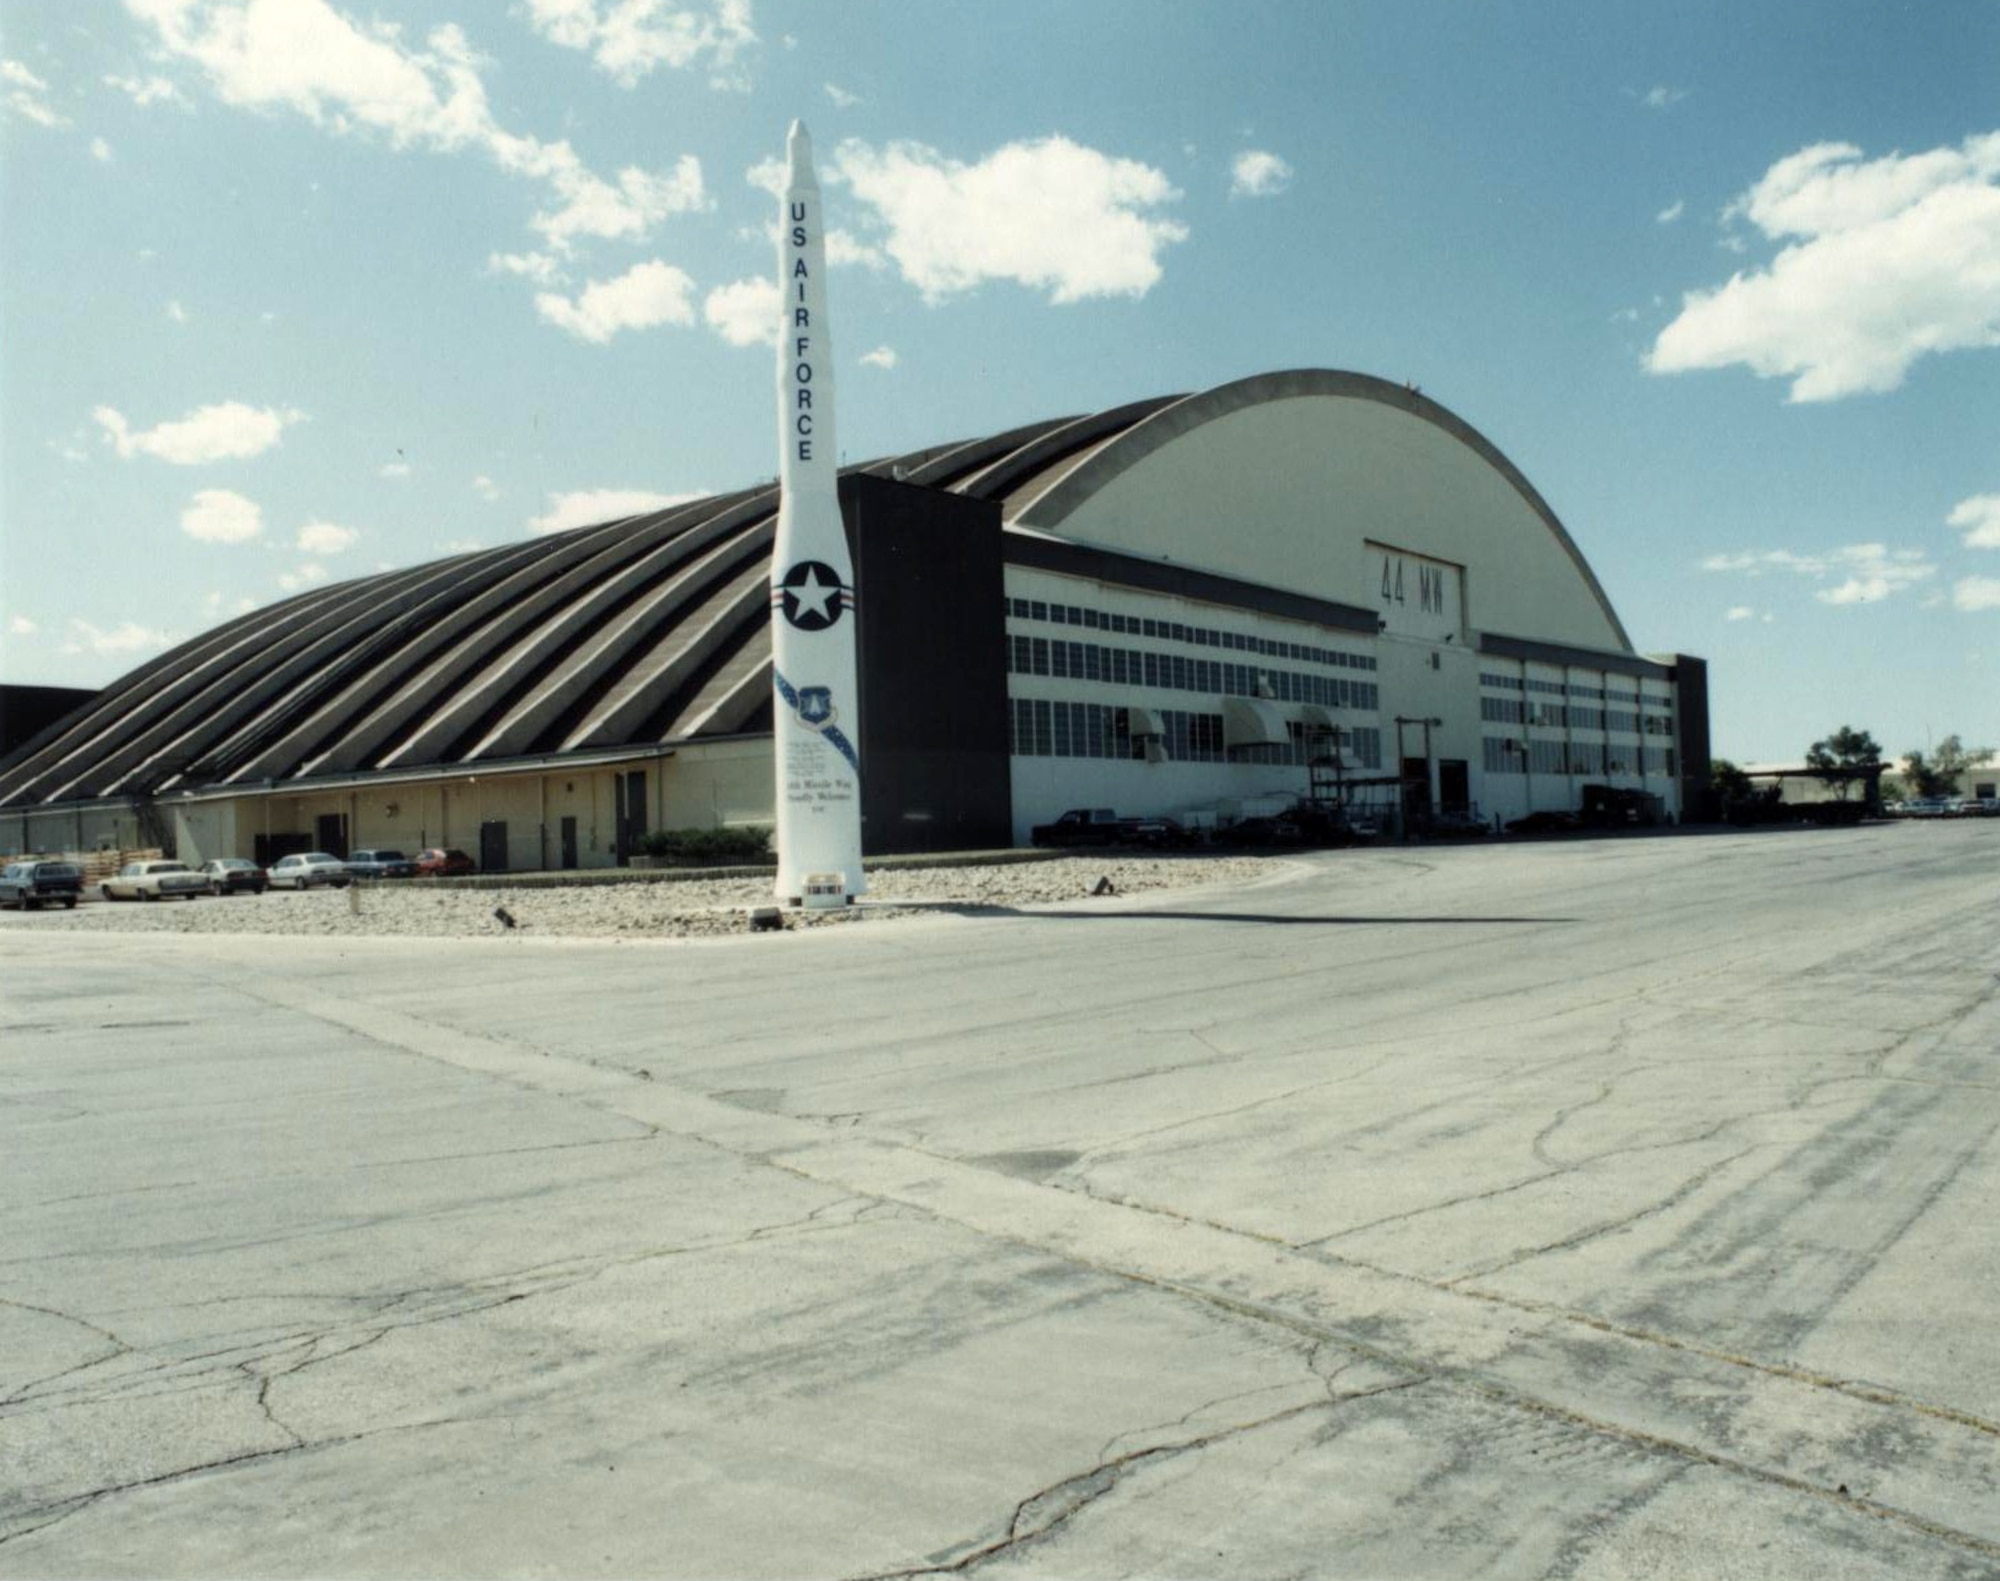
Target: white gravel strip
{"points": [[641, 909]]}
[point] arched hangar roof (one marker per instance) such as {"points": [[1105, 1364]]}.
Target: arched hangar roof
{"points": [[655, 628]]}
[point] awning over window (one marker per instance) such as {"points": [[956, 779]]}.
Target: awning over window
{"points": [[1143, 722], [1316, 718], [1252, 722]]}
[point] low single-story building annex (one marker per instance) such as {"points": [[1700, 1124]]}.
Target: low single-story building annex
{"points": [[1187, 605]]}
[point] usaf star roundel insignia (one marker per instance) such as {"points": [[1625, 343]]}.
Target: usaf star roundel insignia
{"points": [[812, 595]]}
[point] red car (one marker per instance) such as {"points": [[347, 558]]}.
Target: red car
{"points": [[445, 862]]}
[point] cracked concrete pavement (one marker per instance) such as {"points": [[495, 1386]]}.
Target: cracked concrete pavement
{"points": [[1612, 1209]]}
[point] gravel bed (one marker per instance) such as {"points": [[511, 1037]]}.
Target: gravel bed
{"points": [[698, 907]]}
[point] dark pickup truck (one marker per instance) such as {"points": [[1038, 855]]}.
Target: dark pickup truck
{"points": [[33, 884], [1102, 826]]}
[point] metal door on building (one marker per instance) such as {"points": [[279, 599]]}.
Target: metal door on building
{"points": [[330, 830], [493, 848], [266, 849], [631, 810], [1416, 791], [1454, 786], [569, 842]]}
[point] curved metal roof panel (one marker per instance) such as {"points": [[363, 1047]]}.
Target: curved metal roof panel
{"points": [[646, 630]]}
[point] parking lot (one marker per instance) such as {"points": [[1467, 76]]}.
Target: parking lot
{"points": [[1610, 1209]]}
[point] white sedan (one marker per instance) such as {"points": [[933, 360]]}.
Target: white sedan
{"points": [[309, 869], [155, 880]]}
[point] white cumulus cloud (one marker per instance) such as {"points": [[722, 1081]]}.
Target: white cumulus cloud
{"points": [[542, 268], [119, 641], [353, 77], [769, 175], [225, 431], [1869, 572], [644, 297], [626, 209], [1979, 519], [222, 516], [844, 247], [587, 507], [326, 538], [27, 95], [1050, 215], [745, 312], [880, 357], [147, 90], [215, 604], [1672, 212], [1976, 593], [630, 38], [1884, 261], [1254, 173], [21, 626]]}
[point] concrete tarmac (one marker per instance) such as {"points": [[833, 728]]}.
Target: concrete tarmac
{"points": [[1622, 1208]]}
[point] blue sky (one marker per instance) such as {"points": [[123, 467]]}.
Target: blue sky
{"points": [[294, 290]]}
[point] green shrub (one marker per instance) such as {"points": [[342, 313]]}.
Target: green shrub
{"points": [[708, 847]]}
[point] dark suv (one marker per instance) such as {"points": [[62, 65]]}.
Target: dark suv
{"points": [[29, 884], [380, 864]]}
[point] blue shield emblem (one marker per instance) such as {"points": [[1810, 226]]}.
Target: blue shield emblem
{"points": [[816, 706]]}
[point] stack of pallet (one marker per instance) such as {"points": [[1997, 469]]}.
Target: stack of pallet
{"points": [[100, 865]]}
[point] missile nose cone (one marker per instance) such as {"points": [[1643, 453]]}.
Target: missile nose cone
{"points": [[799, 154]]}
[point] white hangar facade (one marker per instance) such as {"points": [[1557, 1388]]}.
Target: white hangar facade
{"points": [[1192, 603]]}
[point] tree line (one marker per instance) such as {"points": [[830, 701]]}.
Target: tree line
{"points": [[1849, 757]]}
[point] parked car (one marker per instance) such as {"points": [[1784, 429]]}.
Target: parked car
{"points": [[1102, 826], [308, 870], [231, 875], [380, 863], [1457, 825], [1260, 831], [155, 879], [33, 883], [444, 862], [1547, 821]]}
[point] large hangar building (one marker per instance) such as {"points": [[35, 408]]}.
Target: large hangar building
{"points": [[1189, 604]]}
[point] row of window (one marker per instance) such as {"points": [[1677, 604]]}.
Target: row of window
{"points": [[1174, 631], [1659, 697], [1594, 758], [1046, 729], [1177, 672], [1573, 716]]}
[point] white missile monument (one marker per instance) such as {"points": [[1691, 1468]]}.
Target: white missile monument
{"points": [[815, 701]]}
